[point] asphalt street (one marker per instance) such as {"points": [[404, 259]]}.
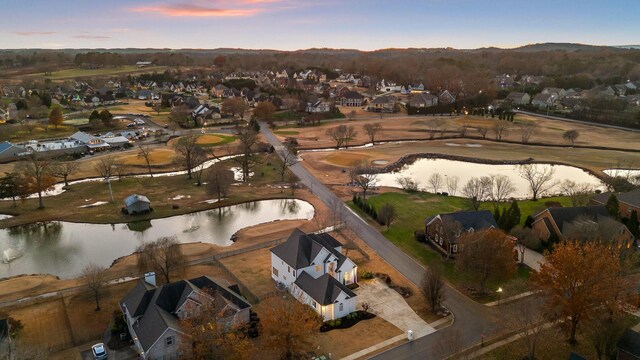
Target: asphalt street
{"points": [[473, 321]]}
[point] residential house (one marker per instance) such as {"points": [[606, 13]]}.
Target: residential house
{"points": [[384, 103], [385, 86], [318, 106], [544, 101], [444, 230], [572, 93], [632, 85], [579, 223], [423, 100], [620, 89], [153, 313], [313, 268], [504, 81], [282, 75], [519, 98], [446, 97], [628, 201], [571, 103], [351, 98], [558, 92]]}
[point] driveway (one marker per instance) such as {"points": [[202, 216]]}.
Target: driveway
{"points": [[389, 305], [123, 354]]}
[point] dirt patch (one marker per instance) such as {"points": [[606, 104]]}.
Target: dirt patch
{"points": [[345, 158], [208, 139], [344, 342], [254, 270], [156, 157], [45, 325]]}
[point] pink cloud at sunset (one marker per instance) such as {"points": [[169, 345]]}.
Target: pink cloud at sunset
{"points": [[199, 8]]}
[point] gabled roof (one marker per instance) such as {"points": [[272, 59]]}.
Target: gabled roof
{"points": [[157, 307], [132, 199], [565, 215], [324, 290], [300, 249], [629, 197], [476, 220], [353, 95]]}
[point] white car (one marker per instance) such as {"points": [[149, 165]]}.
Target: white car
{"points": [[99, 351]]}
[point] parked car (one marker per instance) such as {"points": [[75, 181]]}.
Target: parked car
{"points": [[99, 351]]}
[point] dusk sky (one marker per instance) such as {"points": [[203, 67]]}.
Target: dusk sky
{"points": [[290, 25]]}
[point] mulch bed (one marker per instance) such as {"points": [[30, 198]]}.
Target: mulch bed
{"points": [[347, 321]]}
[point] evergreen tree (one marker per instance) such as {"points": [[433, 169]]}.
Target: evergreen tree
{"points": [[613, 206], [513, 215], [633, 224]]}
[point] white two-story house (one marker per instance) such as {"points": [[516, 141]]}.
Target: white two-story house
{"points": [[315, 271]]}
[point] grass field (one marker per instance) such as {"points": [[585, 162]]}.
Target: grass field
{"points": [[17, 133], [287, 132], [157, 157], [82, 73], [414, 208]]}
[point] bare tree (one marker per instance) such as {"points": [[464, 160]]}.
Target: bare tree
{"points": [[36, 176], [199, 158], [292, 180], [94, 278], [435, 180], [435, 126], [372, 130], [527, 320], [526, 238], [287, 159], [571, 136], [105, 167], [539, 178], [387, 214], [362, 175], [219, 179], [248, 159], [527, 130], [501, 129], [352, 115], [477, 190], [341, 134], [462, 130], [408, 184], [501, 188], [163, 256], [145, 152], [452, 185], [432, 287], [64, 169], [579, 193], [186, 147], [483, 130]]}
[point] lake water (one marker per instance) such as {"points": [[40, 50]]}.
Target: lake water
{"points": [[422, 169], [63, 248]]}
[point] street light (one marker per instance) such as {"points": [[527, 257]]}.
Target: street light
{"points": [[499, 291]]}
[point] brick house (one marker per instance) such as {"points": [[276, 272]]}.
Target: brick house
{"points": [[579, 223], [628, 201], [445, 230], [352, 99]]}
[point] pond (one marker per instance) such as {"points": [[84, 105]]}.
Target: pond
{"points": [[422, 169], [64, 248]]}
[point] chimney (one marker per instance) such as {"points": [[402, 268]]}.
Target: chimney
{"points": [[150, 278]]}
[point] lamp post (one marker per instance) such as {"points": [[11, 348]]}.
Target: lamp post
{"points": [[499, 291]]}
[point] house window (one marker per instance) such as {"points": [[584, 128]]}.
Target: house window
{"points": [[275, 271], [294, 273], [340, 307], [288, 269], [318, 268], [314, 304], [455, 248], [168, 340]]}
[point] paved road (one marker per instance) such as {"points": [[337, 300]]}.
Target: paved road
{"points": [[472, 319]]}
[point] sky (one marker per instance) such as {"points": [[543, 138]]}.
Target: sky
{"points": [[303, 24]]}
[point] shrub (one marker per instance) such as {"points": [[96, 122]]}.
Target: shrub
{"points": [[366, 275], [420, 236]]}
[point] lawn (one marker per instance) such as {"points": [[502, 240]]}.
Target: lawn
{"points": [[17, 133], [414, 208], [46, 325], [529, 207], [286, 132]]}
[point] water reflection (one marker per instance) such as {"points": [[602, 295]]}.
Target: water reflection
{"points": [[422, 169], [63, 248]]}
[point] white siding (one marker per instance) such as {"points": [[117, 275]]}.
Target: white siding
{"points": [[285, 273], [348, 306]]}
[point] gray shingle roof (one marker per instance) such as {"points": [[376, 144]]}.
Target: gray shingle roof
{"points": [[630, 197], [132, 199], [300, 249], [476, 220], [324, 290], [565, 215], [157, 306]]}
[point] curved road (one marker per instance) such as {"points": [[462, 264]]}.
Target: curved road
{"points": [[472, 320]]}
